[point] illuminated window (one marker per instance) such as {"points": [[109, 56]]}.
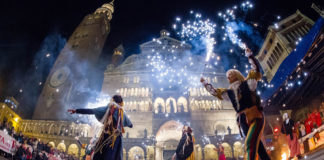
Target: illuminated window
{"points": [[126, 79], [215, 79]]}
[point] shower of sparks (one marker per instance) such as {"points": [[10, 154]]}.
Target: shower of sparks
{"points": [[203, 30], [205, 139], [229, 17], [172, 67], [198, 29]]}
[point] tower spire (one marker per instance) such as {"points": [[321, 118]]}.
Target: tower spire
{"points": [[107, 8], [112, 2]]}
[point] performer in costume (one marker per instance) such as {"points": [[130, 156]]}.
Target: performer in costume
{"points": [[109, 145], [185, 149], [220, 151], [88, 147], [245, 101], [288, 129]]}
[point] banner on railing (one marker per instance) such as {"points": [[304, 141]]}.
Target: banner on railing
{"points": [[7, 143]]}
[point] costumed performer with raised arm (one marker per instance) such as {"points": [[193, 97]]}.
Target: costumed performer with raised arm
{"points": [[246, 102], [109, 145]]}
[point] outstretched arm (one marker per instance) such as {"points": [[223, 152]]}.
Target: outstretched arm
{"points": [[86, 110], [80, 111], [79, 142], [213, 91]]}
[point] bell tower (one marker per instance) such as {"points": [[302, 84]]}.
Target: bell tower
{"points": [[70, 80]]}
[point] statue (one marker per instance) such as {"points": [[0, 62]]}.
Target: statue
{"points": [[145, 133], [229, 130], [172, 107], [182, 107], [160, 108]]}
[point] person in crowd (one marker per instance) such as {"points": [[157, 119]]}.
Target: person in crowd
{"points": [[288, 128], [88, 147], [220, 151], [302, 130], [109, 145], [313, 119], [20, 151], [318, 118], [246, 102], [28, 153], [308, 124], [185, 148]]}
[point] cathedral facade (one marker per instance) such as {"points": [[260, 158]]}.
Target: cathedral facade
{"points": [[162, 95]]}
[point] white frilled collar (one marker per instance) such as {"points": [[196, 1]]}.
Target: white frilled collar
{"points": [[235, 85]]}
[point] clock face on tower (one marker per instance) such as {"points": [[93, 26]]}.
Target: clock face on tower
{"points": [[59, 76]]}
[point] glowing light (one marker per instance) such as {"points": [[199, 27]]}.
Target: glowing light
{"points": [[276, 130], [57, 90], [16, 119], [276, 25], [48, 55], [284, 156], [20, 90], [305, 73]]}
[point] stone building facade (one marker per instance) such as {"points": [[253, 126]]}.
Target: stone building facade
{"points": [[281, 40], [158, 106]]}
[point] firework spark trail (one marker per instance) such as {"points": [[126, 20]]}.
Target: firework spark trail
{"points": [[198, 29], [230, 29]]}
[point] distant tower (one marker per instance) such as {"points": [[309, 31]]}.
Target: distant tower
{"points": [[281, 40], [117, 58], [118, 55], [69, 81]]}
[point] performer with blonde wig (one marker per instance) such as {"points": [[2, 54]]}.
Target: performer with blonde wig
{"points": [[246, 102]]}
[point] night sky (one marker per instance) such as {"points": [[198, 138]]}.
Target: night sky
{"points": [[26, 24]]}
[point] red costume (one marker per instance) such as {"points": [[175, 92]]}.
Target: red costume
{"points": [[308, 125], [313, 118], [318, 119]]}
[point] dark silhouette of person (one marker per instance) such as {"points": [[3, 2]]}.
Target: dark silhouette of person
{"points": [[172, 107], [182, 107], [145, 133], [229, 130], [159, 108]]}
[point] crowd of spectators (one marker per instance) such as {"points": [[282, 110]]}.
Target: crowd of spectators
{"points": [[31, 148], [309, 125]]}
